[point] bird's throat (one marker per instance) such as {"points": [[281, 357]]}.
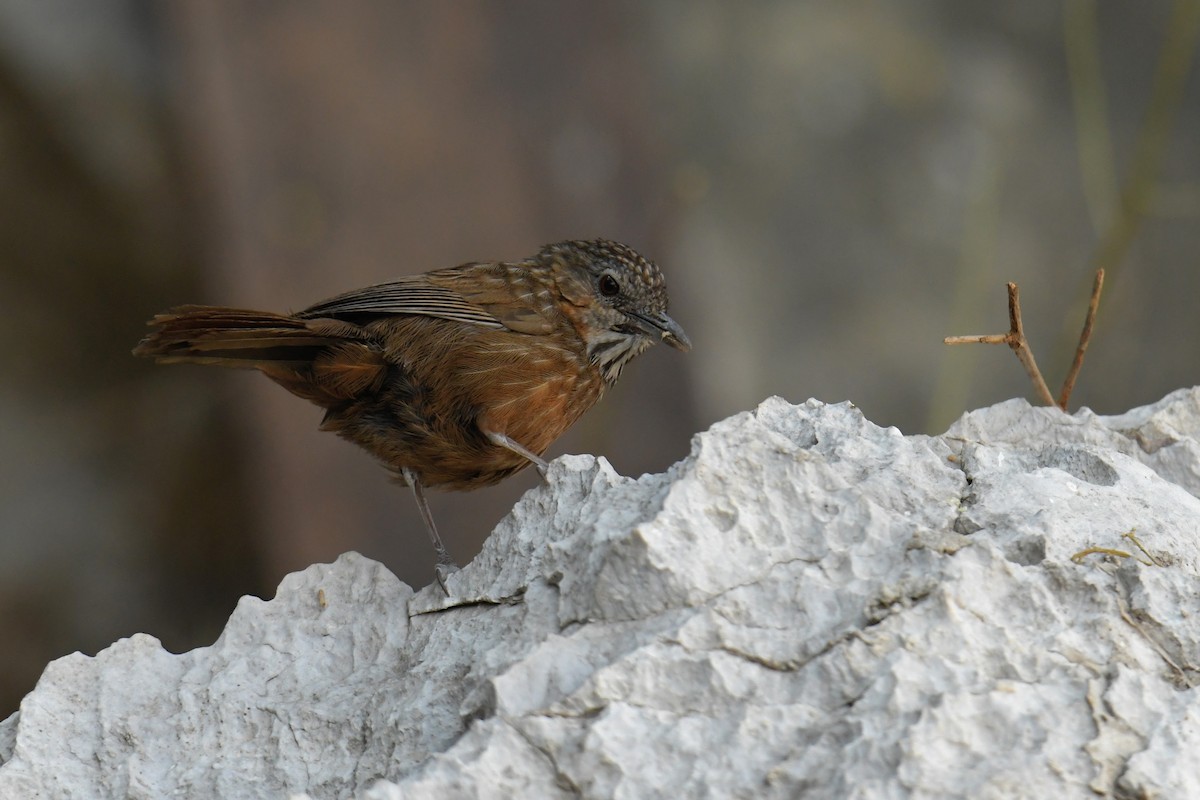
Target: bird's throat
{"points": [[611, 350]]}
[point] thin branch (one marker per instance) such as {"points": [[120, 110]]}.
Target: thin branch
{"points": [[1015, 338], [983, 338], [1021, 347], [1131, 536], [1082, 555], [1084, 339]]}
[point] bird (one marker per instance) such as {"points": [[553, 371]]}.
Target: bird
{"points": [[454, 379]]}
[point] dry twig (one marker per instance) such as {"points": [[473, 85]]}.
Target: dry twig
{"points": [[1131, 535], [1015, 338], [1084, 339]]}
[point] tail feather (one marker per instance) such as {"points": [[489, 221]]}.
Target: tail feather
{"points": [[268, 338], [230, 337], [326, 361]]}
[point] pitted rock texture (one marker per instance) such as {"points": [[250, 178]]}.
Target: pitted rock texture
{"points": [[808, 605]]}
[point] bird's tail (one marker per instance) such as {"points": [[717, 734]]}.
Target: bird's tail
{"points": [[327, 361], [231, 337]]}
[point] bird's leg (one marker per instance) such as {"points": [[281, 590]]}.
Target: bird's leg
{"points": [[445, 565], [510, 444]]}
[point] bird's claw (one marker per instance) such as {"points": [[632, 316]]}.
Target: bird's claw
{"points": [[442, 572]]}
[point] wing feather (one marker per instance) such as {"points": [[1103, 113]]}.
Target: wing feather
{"points": [[409, 295]]}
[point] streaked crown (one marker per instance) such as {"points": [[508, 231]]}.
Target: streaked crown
{"points": [[623, 305]]}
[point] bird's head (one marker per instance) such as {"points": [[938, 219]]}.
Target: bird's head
{"points": [[619, 301]]}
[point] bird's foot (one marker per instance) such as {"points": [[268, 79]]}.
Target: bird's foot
{"points": [[442, 572]]}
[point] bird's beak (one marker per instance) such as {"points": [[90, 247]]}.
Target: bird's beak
{"points": [[661, 326]]}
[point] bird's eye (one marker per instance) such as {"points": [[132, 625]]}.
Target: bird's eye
{"points": [[609, 286]]}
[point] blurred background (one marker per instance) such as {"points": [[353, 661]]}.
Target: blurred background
{"points": [[830, 187]]}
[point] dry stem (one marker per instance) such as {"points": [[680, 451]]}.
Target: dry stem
{"points": [[1084, 339], [1015, 338]]}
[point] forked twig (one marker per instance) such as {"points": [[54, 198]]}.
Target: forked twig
{"points": [[1015, 338]]}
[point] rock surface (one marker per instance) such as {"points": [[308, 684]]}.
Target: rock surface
{"points": [[808, 605]]}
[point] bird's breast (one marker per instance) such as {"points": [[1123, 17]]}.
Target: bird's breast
{"points": [[536, 392]]}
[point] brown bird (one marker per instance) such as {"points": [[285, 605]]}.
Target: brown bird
{"points": [[456, 378]]}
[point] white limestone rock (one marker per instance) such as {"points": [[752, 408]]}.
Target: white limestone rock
{"points": [[807, 605]]}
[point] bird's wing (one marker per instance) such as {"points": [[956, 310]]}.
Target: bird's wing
{"points": [[479, 294], [414, 294]]}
